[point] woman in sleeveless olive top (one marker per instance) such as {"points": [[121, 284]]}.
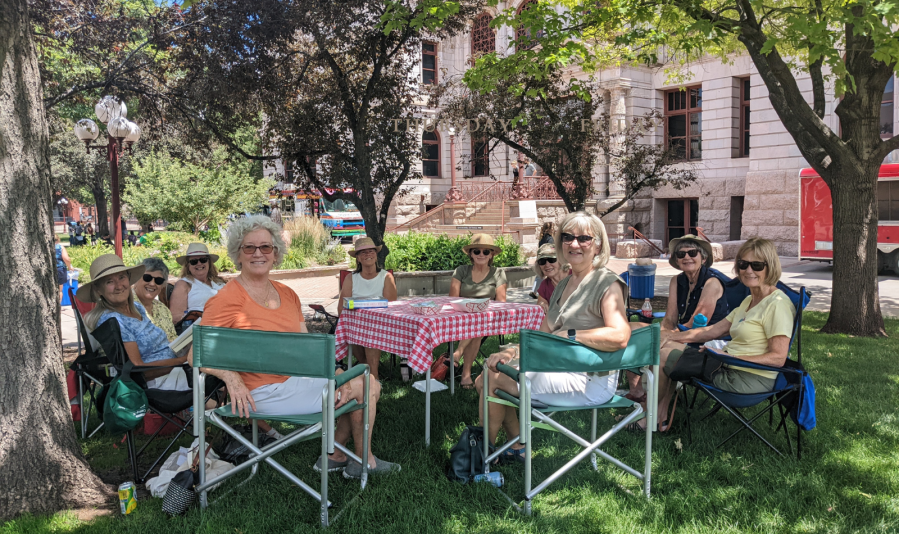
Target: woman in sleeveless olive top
{"points": [[589, 306]]}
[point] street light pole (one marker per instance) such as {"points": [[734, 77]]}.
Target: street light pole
{"points": [[119, 131], [454, 194]]}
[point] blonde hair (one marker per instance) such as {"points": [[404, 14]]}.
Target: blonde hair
{"points": [[102, 306], [582, 219], [212, 276], [764, 250]]}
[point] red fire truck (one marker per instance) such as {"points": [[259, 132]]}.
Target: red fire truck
{"points": [[816, 217]]}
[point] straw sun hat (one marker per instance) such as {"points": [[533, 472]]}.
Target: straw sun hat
{"points": [[103, 266], [196, 250], [363, 243], [700, 243], [482, 241]]}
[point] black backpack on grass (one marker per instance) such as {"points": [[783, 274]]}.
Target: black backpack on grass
{"points": [[467, 456]]}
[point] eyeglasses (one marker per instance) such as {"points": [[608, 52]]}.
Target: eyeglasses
{"points": [[198, 260], [477, 251], [582, 239], [543, 261], [756, 265], [158, 279], [681, 253], [249, 250]]}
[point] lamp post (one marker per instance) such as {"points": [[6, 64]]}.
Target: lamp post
{"points": [[454, 194], [121, 134]]}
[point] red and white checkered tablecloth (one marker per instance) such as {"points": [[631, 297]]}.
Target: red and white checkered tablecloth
{"points": [[397, 330]]}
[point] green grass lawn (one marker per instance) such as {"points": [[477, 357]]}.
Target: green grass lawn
{"points": [[847, 480]]}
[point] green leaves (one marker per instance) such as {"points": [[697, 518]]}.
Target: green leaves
{"points": [[431, 252]]}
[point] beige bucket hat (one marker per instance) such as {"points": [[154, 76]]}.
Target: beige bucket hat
{"points": [[701, 243], [482, 241], [195, 250], [103, 266], [547, 250], [363, 243]]}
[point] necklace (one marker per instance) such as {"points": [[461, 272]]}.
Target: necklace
{"points": [[264, 300]]}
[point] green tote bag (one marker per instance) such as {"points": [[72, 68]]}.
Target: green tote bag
{"points": [[126, 403]]}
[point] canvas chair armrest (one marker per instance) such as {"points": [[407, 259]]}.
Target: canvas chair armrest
{"points": [[509, 371], [345, 377], [737, 362]]}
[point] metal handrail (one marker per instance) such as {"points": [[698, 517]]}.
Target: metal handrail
{"points": [[639, 235], [423, 217], [702, 234]]}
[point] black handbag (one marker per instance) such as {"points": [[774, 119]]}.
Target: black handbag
{"points": [[180, 494], [694, 363], [467, 456]]}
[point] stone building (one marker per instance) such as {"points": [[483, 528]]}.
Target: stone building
{"points": [[748, 163]]}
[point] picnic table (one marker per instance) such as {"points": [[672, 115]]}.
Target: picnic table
{"points": [[398, 330]]}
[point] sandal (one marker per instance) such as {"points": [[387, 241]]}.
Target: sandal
{"points": [[511, 455], [469, 385]]}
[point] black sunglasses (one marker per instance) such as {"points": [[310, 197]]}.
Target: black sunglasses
{"points": [[477, 251], [158, 279], [756, 265], [582, 239], [198, 260], [681, 253], [249, 250], [543, 261]]}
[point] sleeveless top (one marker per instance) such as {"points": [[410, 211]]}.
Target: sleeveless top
{"points": [[686, 308], [200, 293], [60, 264], [582, 310], [369, 289]]}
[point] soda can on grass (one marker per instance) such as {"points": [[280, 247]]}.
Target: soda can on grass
{"points": [[127, 497], [493, 477]]}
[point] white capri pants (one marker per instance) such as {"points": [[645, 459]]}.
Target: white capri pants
{"points": [[298, 395], [572, 389]]}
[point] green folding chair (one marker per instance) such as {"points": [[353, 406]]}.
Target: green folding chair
{"points": [[546, 353], [289, 354]]}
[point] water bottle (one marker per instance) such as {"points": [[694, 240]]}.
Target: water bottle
{"points": [[646, 310], [700, 321]]}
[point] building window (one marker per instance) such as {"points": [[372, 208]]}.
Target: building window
{"points": [[483, 39], [428, 63], [744, 118], [430, 154], [480, 156], [888, 200], [682, 217], [524, 34], [683, 122], [886, 110]]}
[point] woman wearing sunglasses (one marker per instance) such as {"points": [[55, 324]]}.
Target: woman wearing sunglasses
{"points": [[760, 330], [150, 291], [550, 270], [695, 291], [480, 280], [199, 281]]}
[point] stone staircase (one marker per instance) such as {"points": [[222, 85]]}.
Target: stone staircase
{"points": [[487, 218]]}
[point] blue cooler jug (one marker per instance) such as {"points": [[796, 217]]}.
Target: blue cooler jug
{"points": [[641, 281]]}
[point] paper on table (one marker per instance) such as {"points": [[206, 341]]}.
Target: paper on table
{"points": [[185, 339], [435, 386]]}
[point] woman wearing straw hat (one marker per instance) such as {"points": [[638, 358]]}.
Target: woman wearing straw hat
{"points": [[478, 280], [199, 282], [547, 267], [369, 281], [145, 343]]}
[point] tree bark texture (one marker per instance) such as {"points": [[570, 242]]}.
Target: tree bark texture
{"points": [[102, 211], [42, 466]]}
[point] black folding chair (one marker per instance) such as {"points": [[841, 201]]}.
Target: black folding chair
{"points": [[164, 403], [91, 370], [788, 387]]}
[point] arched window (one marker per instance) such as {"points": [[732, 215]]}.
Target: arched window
{"points": [[483, 39], [525, 33], [430, 154]]}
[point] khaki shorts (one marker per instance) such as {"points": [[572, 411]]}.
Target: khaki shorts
{"points": [[724, 378]]}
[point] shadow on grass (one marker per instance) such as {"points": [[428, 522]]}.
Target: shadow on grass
{"points": [[847, 480]]}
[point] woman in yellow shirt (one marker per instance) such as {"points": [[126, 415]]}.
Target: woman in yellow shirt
{"points": [[760, 329]]}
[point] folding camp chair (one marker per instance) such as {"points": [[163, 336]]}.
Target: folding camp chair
{"points": [[546, 353], [788, 387], [164, 403], [91, 368], [289, 354]]}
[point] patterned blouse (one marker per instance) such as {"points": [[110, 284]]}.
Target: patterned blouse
{"points": [[151, 340], [162, 317]]}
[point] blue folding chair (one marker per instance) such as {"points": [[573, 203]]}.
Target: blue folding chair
{"points": [[631, 312], [788, 387]]}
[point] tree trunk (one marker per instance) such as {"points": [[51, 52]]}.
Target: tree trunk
{"points": [[855, 303], [43, 468], [102, 213]]}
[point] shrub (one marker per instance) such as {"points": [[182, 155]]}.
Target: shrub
{"points": [[311, 241], [429, 252]]}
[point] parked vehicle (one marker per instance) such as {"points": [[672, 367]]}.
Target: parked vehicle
{"points": [[816, 218], [342, 218]]}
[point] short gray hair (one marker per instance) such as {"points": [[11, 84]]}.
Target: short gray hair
{"points": [[245, 225], [582, 219], [156, 264], [690, 243]]}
